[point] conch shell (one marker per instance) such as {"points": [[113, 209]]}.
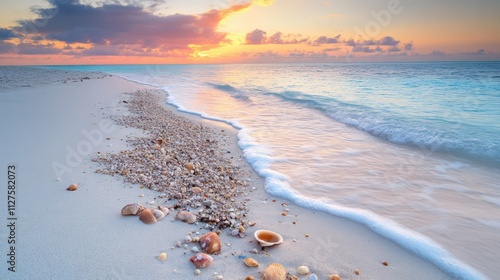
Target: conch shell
{"points": [[132, 209], [268, 238], [275, 271], [210, 243], [186, 216], [201, 260]]}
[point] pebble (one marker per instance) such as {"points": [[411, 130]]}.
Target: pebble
{"points": [[197, 272]]}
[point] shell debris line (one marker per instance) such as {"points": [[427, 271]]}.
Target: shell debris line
{"points": [[186, 162]]}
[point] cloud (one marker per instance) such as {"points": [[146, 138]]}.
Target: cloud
{"points": [[256, 37], [327, 40], [408, 46], [112, 24], [6, 34], [478, 52], [263, 2], [437, 53], [385, 41], [280, 38]]}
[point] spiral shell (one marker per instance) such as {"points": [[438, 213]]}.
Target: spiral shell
{"points": [[132, 209], [158, 214], [201, 260], [147, 217], [275, 272], [72, 187], [251, 262], [186, 216], [210, 243]]}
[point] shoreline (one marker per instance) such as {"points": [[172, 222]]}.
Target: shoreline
{"points": [[333, 246]]}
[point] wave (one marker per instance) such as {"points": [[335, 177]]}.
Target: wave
{"points": [[431, 135], [231, 90]]}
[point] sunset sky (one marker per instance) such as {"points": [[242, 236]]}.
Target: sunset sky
{"points": [[239, 31]]}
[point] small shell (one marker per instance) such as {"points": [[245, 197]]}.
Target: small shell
{"points": [[162, 256], [196, 189], [251, 262], [303, 270], [197, 272], [158, 214], [268, 238], [210, 243], [72, 187], [275, 272], [147, 217], [196, 239], [187, 239], [294, 277], [249, 278], [165, 210], [201, 260], [335, 277], [132, 209], [189, 166], [186, 216], [241, 229]]}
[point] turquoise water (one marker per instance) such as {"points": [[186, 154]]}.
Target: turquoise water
{"points": [[410, 150]]}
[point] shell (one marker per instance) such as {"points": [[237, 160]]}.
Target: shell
{"points": [[275, 271], [251, 262], [162, 256], [196, 189], [303, 270], [189, 166], [201, 260], [158, 214], [268, 238], [186, 216], [132, 209], [147, 217], [72, 187], [335, 277], [197, 272], [165, 210], [249, 278], [241, 229], [210, 243], [313, 277]]}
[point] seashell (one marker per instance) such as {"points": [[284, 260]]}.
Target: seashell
{"points": [[249, 278], [186, 216], [195, 249], [196, 239], [201, 260], [178, 243], [275, 271], [268, 238], [294, 277], [147, 217], [210, 243], [72, 187], [196, 189], [165, 210], [313, 277], [334, 277], [158, 214], [189, 166], [251, 262], [132, 209], [197, 272], [187, 239], [303, 270], [162, 256], [241, 229]]}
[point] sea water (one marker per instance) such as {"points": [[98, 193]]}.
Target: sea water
{"points": [[410, 150]]}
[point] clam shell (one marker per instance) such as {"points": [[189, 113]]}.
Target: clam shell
{"points": [[201, 260], [186, 216], [132, 209], [210, 243], [275, 271], [72, 187], [165, 210], [147, 217], [334, 277], [162, 256], [303, 270], [158, 214], [268, 238], [251, 262]]}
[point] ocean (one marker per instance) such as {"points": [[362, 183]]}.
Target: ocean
{"points": [[410, 150]]}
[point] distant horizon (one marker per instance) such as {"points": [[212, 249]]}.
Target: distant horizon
{"points": [[117, 32]]}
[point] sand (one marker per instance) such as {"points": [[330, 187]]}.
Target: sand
{"points": [[82, 235]]}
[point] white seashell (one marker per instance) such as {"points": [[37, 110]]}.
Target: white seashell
{"points": [[197, 272], [141, 195], [275, 272], [195, 249], [187, 239], [178, 243], [158, 214], [303, 270], [165, 210], [162, 256], [196, 239], [268, 238]]}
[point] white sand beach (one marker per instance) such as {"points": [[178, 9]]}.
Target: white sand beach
{"points": [[54, 122]]}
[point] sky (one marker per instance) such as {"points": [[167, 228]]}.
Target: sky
{"points": [[34, 32]]}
